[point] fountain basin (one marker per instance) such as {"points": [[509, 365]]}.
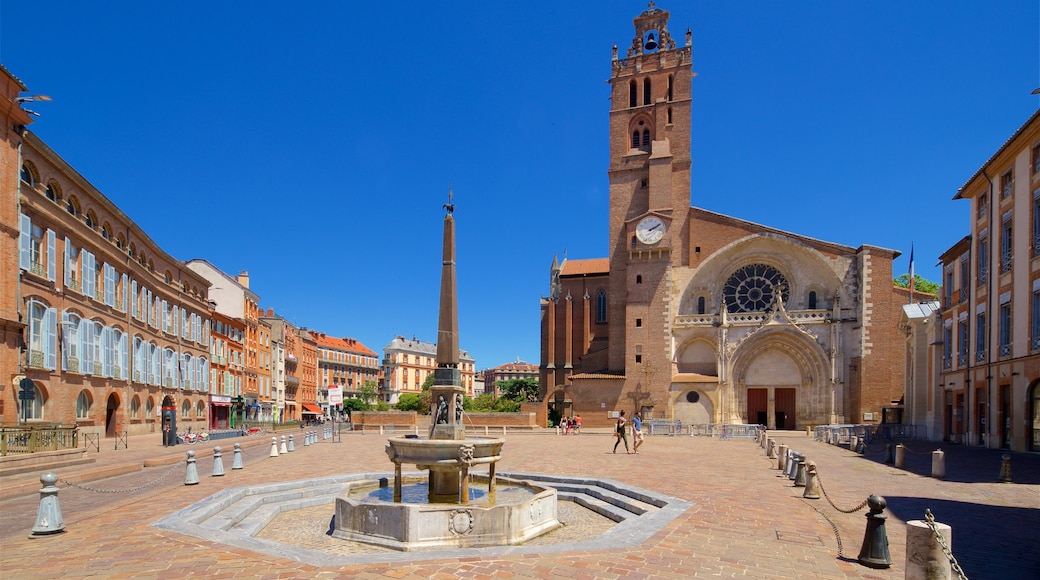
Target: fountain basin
{"points": [[405, 527], [442, 453]]}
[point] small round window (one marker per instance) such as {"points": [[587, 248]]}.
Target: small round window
{"points": [[693, 397]]}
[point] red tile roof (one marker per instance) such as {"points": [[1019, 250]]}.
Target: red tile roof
{"points": [[344, 344], [580, 267]]}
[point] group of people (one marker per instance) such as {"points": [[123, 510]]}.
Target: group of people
{"points": [[571, 424], [620, 432]]}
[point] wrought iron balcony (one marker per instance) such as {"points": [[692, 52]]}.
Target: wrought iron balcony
{"points": [[1005, 261], [947, 363], [1005, 350], [980, 355]]}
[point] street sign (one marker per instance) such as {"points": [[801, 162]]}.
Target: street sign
{"points": [[335, 395], [28, 392]]}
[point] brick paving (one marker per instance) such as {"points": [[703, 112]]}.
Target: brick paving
{"points": [[745, 520]]}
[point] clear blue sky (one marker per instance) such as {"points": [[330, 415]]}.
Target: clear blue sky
{"points": [[316, 140]]}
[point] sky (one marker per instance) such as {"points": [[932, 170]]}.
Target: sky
{"points": [[314, 143]]}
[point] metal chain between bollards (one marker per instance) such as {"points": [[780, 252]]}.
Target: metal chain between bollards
{"points": [[905, 448], [824, 490], [127, 490], [834, 527], [929, 520]]}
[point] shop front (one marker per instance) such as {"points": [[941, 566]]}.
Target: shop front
{"points": [[219, 412]]}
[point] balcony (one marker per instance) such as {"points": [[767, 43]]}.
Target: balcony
{"points": [[962, 359], [980, 355], [947, 363], [36, 359], [291, 381], [1005, 350], [1006, 261]]}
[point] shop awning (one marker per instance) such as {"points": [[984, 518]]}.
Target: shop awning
{"points": [[312, 409]]}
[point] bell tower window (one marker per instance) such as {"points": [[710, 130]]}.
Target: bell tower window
{"points": [[635, 139], [632, 99], [646, 91], [646, 138]]}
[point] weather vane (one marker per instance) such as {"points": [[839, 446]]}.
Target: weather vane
{"points": [[450, 206]]}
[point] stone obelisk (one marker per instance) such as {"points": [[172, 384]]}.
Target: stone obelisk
{"points": [[447, 390]]}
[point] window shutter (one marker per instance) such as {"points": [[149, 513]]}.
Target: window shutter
{"points": [[124, 372], [50, 338], [64, 343], [69, 265], [88, 274], [110, 285], [83, 350], [125, 294], [24, 245], [165, 312], [133, 298], [50, 255], [154, 355], [107, 356], [174, 319], [185, 381]]}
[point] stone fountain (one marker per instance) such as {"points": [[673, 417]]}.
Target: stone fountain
{"points": [[447, 519]]}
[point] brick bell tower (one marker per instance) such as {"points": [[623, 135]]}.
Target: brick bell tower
{"points": [[649, 202]]}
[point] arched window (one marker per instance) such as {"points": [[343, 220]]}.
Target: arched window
{"points": [[635, 139], [646, 91], [53, 192], [700, 305], [106, 232], [34, 408], [812, 300], [29, 172], [639, 278], [83, 405], [631, 103], [200, 409], [646, 138], [601, 306], [72, 207], [90, 220], [149, 407], [120, 242], [135, 407], [185, 409]]}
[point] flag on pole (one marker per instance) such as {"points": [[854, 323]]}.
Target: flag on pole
{"points": [[911, 271]]}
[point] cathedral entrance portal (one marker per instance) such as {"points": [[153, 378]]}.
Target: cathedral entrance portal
{"points": [[773, 407], [784, 405]]}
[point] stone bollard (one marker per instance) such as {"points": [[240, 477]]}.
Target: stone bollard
{"points": [[1005, 469], [799, 475], [292, 446], [874, 553], [218, 462], [812, 486], [808, 430], [236, 462], [191, 476], [925, 559], [781, 456], [861, 447], [771, 449], [900, 456], [853, 443], [938, 464], [889, 459], [48, 515], [283, 448], [274, 447], [792, 465], [307, 439]]}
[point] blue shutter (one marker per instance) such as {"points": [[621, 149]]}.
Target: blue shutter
{"points": [[165, 312], [125, 294], [50, 255], [89, 277], [68, 262], [124, 357], [106, 351], [50, 338], [24, 243], [110, 285]]}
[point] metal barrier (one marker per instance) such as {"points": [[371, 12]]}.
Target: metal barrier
{"points": [[705, 429], [740, 431], [121, 437], [92, 440], [889, 431], [32, 439], [664, 427]]}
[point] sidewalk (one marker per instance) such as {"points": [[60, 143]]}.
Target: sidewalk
{"points": [[746, 520]]}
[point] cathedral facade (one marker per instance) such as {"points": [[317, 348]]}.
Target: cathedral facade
{"points": [[705, 318]]}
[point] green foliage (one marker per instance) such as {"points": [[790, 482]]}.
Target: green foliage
{"points": [[554, 416], [350, 405], [482, 403], [410, 402], [426, 384], [382, 406], [519, 390], [368, 392], [920, 284]]}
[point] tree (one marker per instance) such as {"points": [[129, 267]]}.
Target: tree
{"points": [[519, 390], [368, 392], [409, 402], [920, 284], [351, 404]]}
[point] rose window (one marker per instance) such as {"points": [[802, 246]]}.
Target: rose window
{"points": [[754, 288]]}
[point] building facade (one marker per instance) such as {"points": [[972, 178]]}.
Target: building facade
{"points": [[989, 378], [507, 372], [345, 363], [408, 362], [117, 331], [227, 371], [702, 317]]}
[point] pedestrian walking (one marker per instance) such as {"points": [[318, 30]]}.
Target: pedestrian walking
{"points": [[637, 431], [619, 432], [577, 424]]}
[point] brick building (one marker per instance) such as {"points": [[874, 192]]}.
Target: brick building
{"points": [[227, 370], [987, 384], [115, 329], [344, 363], [507, 372], [703, 317]]}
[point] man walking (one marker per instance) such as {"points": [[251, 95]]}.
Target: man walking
{"points": [[637, 432]]}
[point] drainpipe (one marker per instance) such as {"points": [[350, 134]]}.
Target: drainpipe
{"points": [[990, 318]]}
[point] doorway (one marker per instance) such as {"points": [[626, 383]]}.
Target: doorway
{"points": [[111, 417], [1033, 408], [785, 408], [757, 407], [1005, 416]]}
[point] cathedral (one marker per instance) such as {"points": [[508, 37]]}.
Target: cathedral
{"points": [[705, 318]]}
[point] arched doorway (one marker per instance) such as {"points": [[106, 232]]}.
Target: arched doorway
{"points": [[557, 406], [1033, 408], [111, 416]]}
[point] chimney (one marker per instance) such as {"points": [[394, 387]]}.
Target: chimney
{"points": [[270, 312], [243, 278]]}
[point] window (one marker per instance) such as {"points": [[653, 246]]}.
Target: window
{"points": [[42, 335], [1035, 159], [35, 248], [754, 288], [632, 98], [647, 97], [947, 343], [671, 83], [962, 342], [72, 207], [53, 192], [812, 300], [185, 409], [28, 174], [1004, 329], [965, 269], [669, 115], [639, 323], [135, 407], [639, 278], [90, 220], [948, 287], [700, 305], [980, 337], [983, 203], [983, 258], [149, 407], [1007, 184], [83, 405], [646, 138], [1036, 223], [635, 139], [106, 232], [35, 407], [601, 306], [1006, 242], [200, 409]]}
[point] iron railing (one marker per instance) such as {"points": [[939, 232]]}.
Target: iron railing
{"points": [[35, 438]]}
